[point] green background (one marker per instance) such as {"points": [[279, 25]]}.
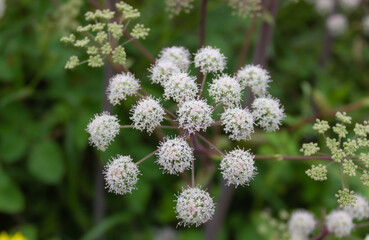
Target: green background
{"points": [[48, 170]]}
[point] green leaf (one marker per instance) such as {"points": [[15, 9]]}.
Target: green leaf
{"points": [[11, 200], [45, 162], [12, 145]]}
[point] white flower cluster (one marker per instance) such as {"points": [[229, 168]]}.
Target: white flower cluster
{"points": [[360, 210], [210, 59], [147, 114], [121, 175], [175, 155], [337, 24], [103, 128], [226, 90], [339, 223], [180, 56], [254, 77], [180, 87], [238, 122], [121, 86], [194, 207], [195, 115], [268, 113], [238, 167], [301, 224]]}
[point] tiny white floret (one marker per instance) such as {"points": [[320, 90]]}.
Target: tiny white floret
{"points": [[121, 86]]}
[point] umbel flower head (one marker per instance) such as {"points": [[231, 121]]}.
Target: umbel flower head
{"points": [[339, 223], [226, 90], [180, 56], [180, 87], [337, 24], [238, 122], [268, 113], [359, 210], [147, 114], [103, 128], [301, 223], [349, 5], [194, 207], [175, 155], [238, 167], [121, 86], [210, 59], [194, 115], [254, 77], [121, 175], [162, 70]]}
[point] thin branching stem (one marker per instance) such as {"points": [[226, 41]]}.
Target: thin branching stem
{"points": [[210, 144], [202, 84], [147, 157]]}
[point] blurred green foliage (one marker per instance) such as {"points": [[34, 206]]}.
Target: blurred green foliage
{"points": [[47, 169]]}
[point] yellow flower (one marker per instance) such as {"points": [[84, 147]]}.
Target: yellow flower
{"points": [[4, 236], [17, 236]]}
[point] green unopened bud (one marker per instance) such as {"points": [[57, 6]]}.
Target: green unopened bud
{"points": [[116, 29], [342, 117], [92, 50], [365, 178], [106, 49], [350, 147], [309, 148], [321, 126], [119, 55], [68, 40], [97, 27], [139, 31], [340, 130], [95, 61], [318, 173], [72, 62], [345, 197], [84, 28], [349, 167], [101, 37], [82, 43]]}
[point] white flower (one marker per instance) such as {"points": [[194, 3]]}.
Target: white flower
{"points": [[339, 223], [210, 59], [121, 175], [324, 6], [238, 167], [350, 5], [175, 155], [254, 77], [268, 113], [194, 207], [121, 86], [301, 223], [147, 114], [337, 24], [180, 56], [103, 128], [366, 25], [226, 90], [367, 237], [162, 70], [181, 87], [238, 122], [2, 8], [194, 115], [360, 210]]}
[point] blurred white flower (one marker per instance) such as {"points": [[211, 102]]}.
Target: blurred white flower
{"points": [[360, 210], [162, 70], [301, 223], [365, 23], [337, 24], [350, 5], [2, 8], [324, 7], [339, 223]]}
